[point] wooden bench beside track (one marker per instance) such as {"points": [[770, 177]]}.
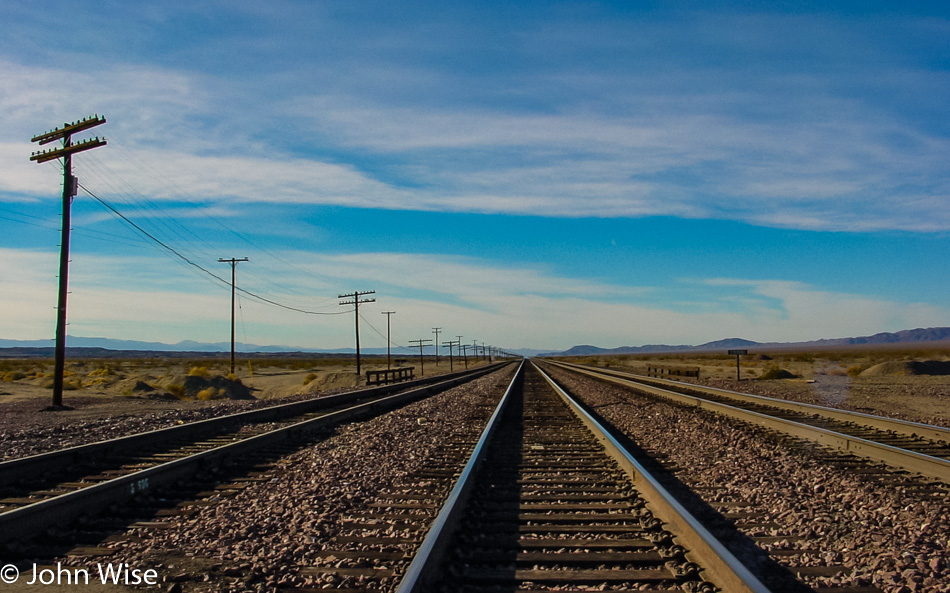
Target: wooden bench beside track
{"points": [[389, 376]]}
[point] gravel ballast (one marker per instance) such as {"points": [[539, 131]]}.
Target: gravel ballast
{"points": [[893, 536], [258, 539]]}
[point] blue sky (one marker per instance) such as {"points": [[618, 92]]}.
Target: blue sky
{"points": [[523, 174]]}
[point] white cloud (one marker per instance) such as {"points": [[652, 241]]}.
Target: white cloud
{"points": [[512, 307], [751, 118]]}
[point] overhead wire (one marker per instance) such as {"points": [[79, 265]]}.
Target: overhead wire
{"points": [[184, 258], [144, 165], [386, 339]]}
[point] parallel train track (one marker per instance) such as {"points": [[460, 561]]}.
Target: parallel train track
{"points": [[547, 499], [54, 488], [903, 445]]}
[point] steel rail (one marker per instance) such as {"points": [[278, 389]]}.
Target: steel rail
{"points": [[425, 564], [30, 520], [721, 565], [25, 467], [905, 427], [724, 568], [926, 465]]}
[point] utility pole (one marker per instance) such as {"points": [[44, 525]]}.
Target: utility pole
{"points": [[356, 308], [464, 349], [459, 344], [450, 344], [233, 263], [422, 364], [475, 351], [70, 189], [436, 331], [389, 362]]}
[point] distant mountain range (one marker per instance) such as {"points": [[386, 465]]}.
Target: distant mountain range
{"points": [[78, 343], [105, 346], [909, 336]]}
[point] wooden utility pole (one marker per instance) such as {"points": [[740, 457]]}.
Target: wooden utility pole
{"points": [[436, 331], [356, 309], [459, 345], [70, 188], [422, 365], [233, 263], [389, 340], [464, 349], [450, 344]]}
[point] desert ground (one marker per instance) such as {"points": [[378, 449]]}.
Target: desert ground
{"points": [[112, 397], [104, 398], [896, 382]]}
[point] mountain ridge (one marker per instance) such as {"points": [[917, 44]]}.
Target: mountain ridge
{"points": [[109, 345], [908, 336]]}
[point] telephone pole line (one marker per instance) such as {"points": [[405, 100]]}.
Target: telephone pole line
{"points": [[233, 263], [422, 364], [436, 331], [389, 341], [464, 349], [70, 189], [459, 344], [356, 309]]}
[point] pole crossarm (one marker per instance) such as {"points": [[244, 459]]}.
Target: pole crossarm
{"points": [[69, 129], [55, 153]]}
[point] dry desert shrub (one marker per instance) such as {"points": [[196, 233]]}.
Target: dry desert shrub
{"points": [[176, 390], [309, 378], [211, 393], [199, 371]]}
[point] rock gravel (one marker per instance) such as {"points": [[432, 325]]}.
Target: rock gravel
{"points": [[258, 539], [27, 429], [890, 532]]}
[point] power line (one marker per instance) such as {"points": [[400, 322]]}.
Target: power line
{"points": [[181, 256]]}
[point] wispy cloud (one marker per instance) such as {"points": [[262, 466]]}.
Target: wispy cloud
{"points": [[517, 307], [589, 121]]}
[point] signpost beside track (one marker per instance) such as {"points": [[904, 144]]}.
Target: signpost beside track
{"points": [[738, 353]]}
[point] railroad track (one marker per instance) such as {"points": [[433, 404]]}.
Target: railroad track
{"points": [[546, 499], [910, 446], [53, 489]]}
